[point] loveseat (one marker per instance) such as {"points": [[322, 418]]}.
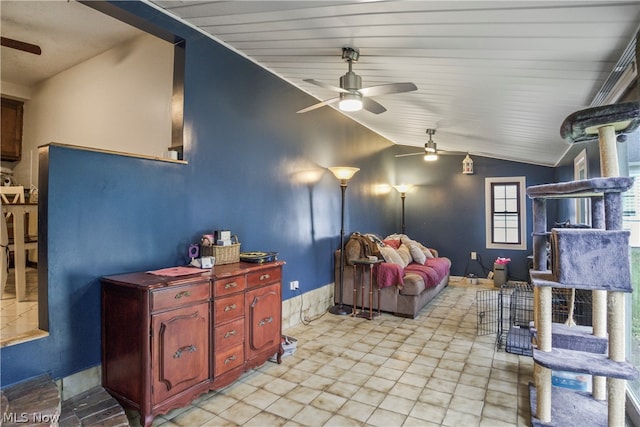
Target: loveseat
{"points": [[410, 276]]}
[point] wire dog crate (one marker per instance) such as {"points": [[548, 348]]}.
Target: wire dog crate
{"points": [[508, 313]]}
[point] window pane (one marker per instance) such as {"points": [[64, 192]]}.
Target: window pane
{"points": [[511, 191], [498, 191], [512, 235], [500, 206], [512, 205]]}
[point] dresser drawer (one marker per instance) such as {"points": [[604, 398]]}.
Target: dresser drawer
{"points": [[229, 285], [228, 308], [262, 277], [226, 360], [229, 334], [177, 296]]}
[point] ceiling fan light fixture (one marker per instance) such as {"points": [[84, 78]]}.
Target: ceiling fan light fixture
{"points": [[350, 102], [430, 157], [430, 147]]}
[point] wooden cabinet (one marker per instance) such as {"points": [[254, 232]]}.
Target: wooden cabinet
{"points": [[11, 144], [166, 340]]}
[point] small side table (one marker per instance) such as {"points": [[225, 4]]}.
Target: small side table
{"points": [[362, 263]]}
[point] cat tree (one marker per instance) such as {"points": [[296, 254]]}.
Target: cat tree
{"points": [[595, 259]]}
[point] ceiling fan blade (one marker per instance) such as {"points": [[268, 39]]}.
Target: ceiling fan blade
{"points": [[452, 153], [319, 104], [410, 154], [23, 46], [387, 89], [372, 106], [325, 85]]}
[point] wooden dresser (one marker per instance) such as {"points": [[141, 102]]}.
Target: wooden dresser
{"points": [[166, 340]]}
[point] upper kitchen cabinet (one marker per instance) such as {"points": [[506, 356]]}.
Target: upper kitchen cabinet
{"points": [[11, 147]]}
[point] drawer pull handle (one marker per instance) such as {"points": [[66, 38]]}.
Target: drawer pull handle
{"points": [[230, 285], [230, 307], [265, 276], [230, 334], [182, 294], [187, 348], [265, 321], [230, 359]]}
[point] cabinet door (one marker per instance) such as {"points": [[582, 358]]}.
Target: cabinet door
{"points": [[11, 146], [264, 307], [180, 349]]}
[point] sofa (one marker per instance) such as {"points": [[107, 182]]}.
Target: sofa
{"points": [[410, 276]]}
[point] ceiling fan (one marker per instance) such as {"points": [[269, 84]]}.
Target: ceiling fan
{"points": [[18, 45], [353, 97], [431, 151]]}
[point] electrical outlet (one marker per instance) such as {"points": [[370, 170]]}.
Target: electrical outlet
{"points": [[474, 255], [293, 285], [296, 284]]}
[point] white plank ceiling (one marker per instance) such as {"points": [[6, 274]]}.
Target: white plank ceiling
{"points": [[494, 78]]}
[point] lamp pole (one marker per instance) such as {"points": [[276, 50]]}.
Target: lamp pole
{"points": [[343, 174], [402, 189]]}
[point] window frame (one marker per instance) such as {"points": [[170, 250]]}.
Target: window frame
{"points": [[520, 182]]}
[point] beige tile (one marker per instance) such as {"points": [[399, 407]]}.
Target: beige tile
{"points": [[193, 417], [312, 416], [261, 398], [398, 404], [328, 401], [466, 405], [266, 419], [369, 396], [340, 421], [379, 384], [384, 418], [303, 394], [285, 408], [239, 413], [456, 419], [356, 410], [428, 412], [436, 398]]}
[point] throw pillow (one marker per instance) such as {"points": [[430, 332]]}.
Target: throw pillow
{"points": [[394, 243], [427, 252], [405, 254], [391, 256], [417, 254]]}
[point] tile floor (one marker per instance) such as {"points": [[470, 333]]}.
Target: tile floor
{"points": [[429, 371], [19, 320]]}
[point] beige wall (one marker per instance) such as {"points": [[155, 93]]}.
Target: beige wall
{"points": [[119, 100]]}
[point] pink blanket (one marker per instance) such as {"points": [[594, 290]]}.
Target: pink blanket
{"points": [[434, 270], [428, 274], [388, 274]]}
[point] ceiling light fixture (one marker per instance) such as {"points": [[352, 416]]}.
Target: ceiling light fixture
{"points": [[430, 148], [350, 102]]}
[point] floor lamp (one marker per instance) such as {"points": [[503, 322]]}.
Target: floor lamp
{"points": [[344, 174], [402, 189]]}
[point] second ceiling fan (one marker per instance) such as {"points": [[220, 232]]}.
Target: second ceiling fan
{"points": [[353, 96], [431, 151]]}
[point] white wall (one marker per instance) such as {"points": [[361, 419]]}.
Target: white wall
{"points": [[119, 100]]}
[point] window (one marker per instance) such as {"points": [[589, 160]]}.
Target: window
{"points": [[505, 213], [583, 205]]}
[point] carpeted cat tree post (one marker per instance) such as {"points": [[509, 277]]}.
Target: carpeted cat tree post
{"points": [[603, 123], [596, 259]]}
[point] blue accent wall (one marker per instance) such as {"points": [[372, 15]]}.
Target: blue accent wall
{"points": [[249, 158], [446, 209]]}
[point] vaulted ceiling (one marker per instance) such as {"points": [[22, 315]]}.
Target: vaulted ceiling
{"points": [[494, 78]]}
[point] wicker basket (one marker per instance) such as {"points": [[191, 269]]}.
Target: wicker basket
{"points": [[223, 254], [227, 254]]}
